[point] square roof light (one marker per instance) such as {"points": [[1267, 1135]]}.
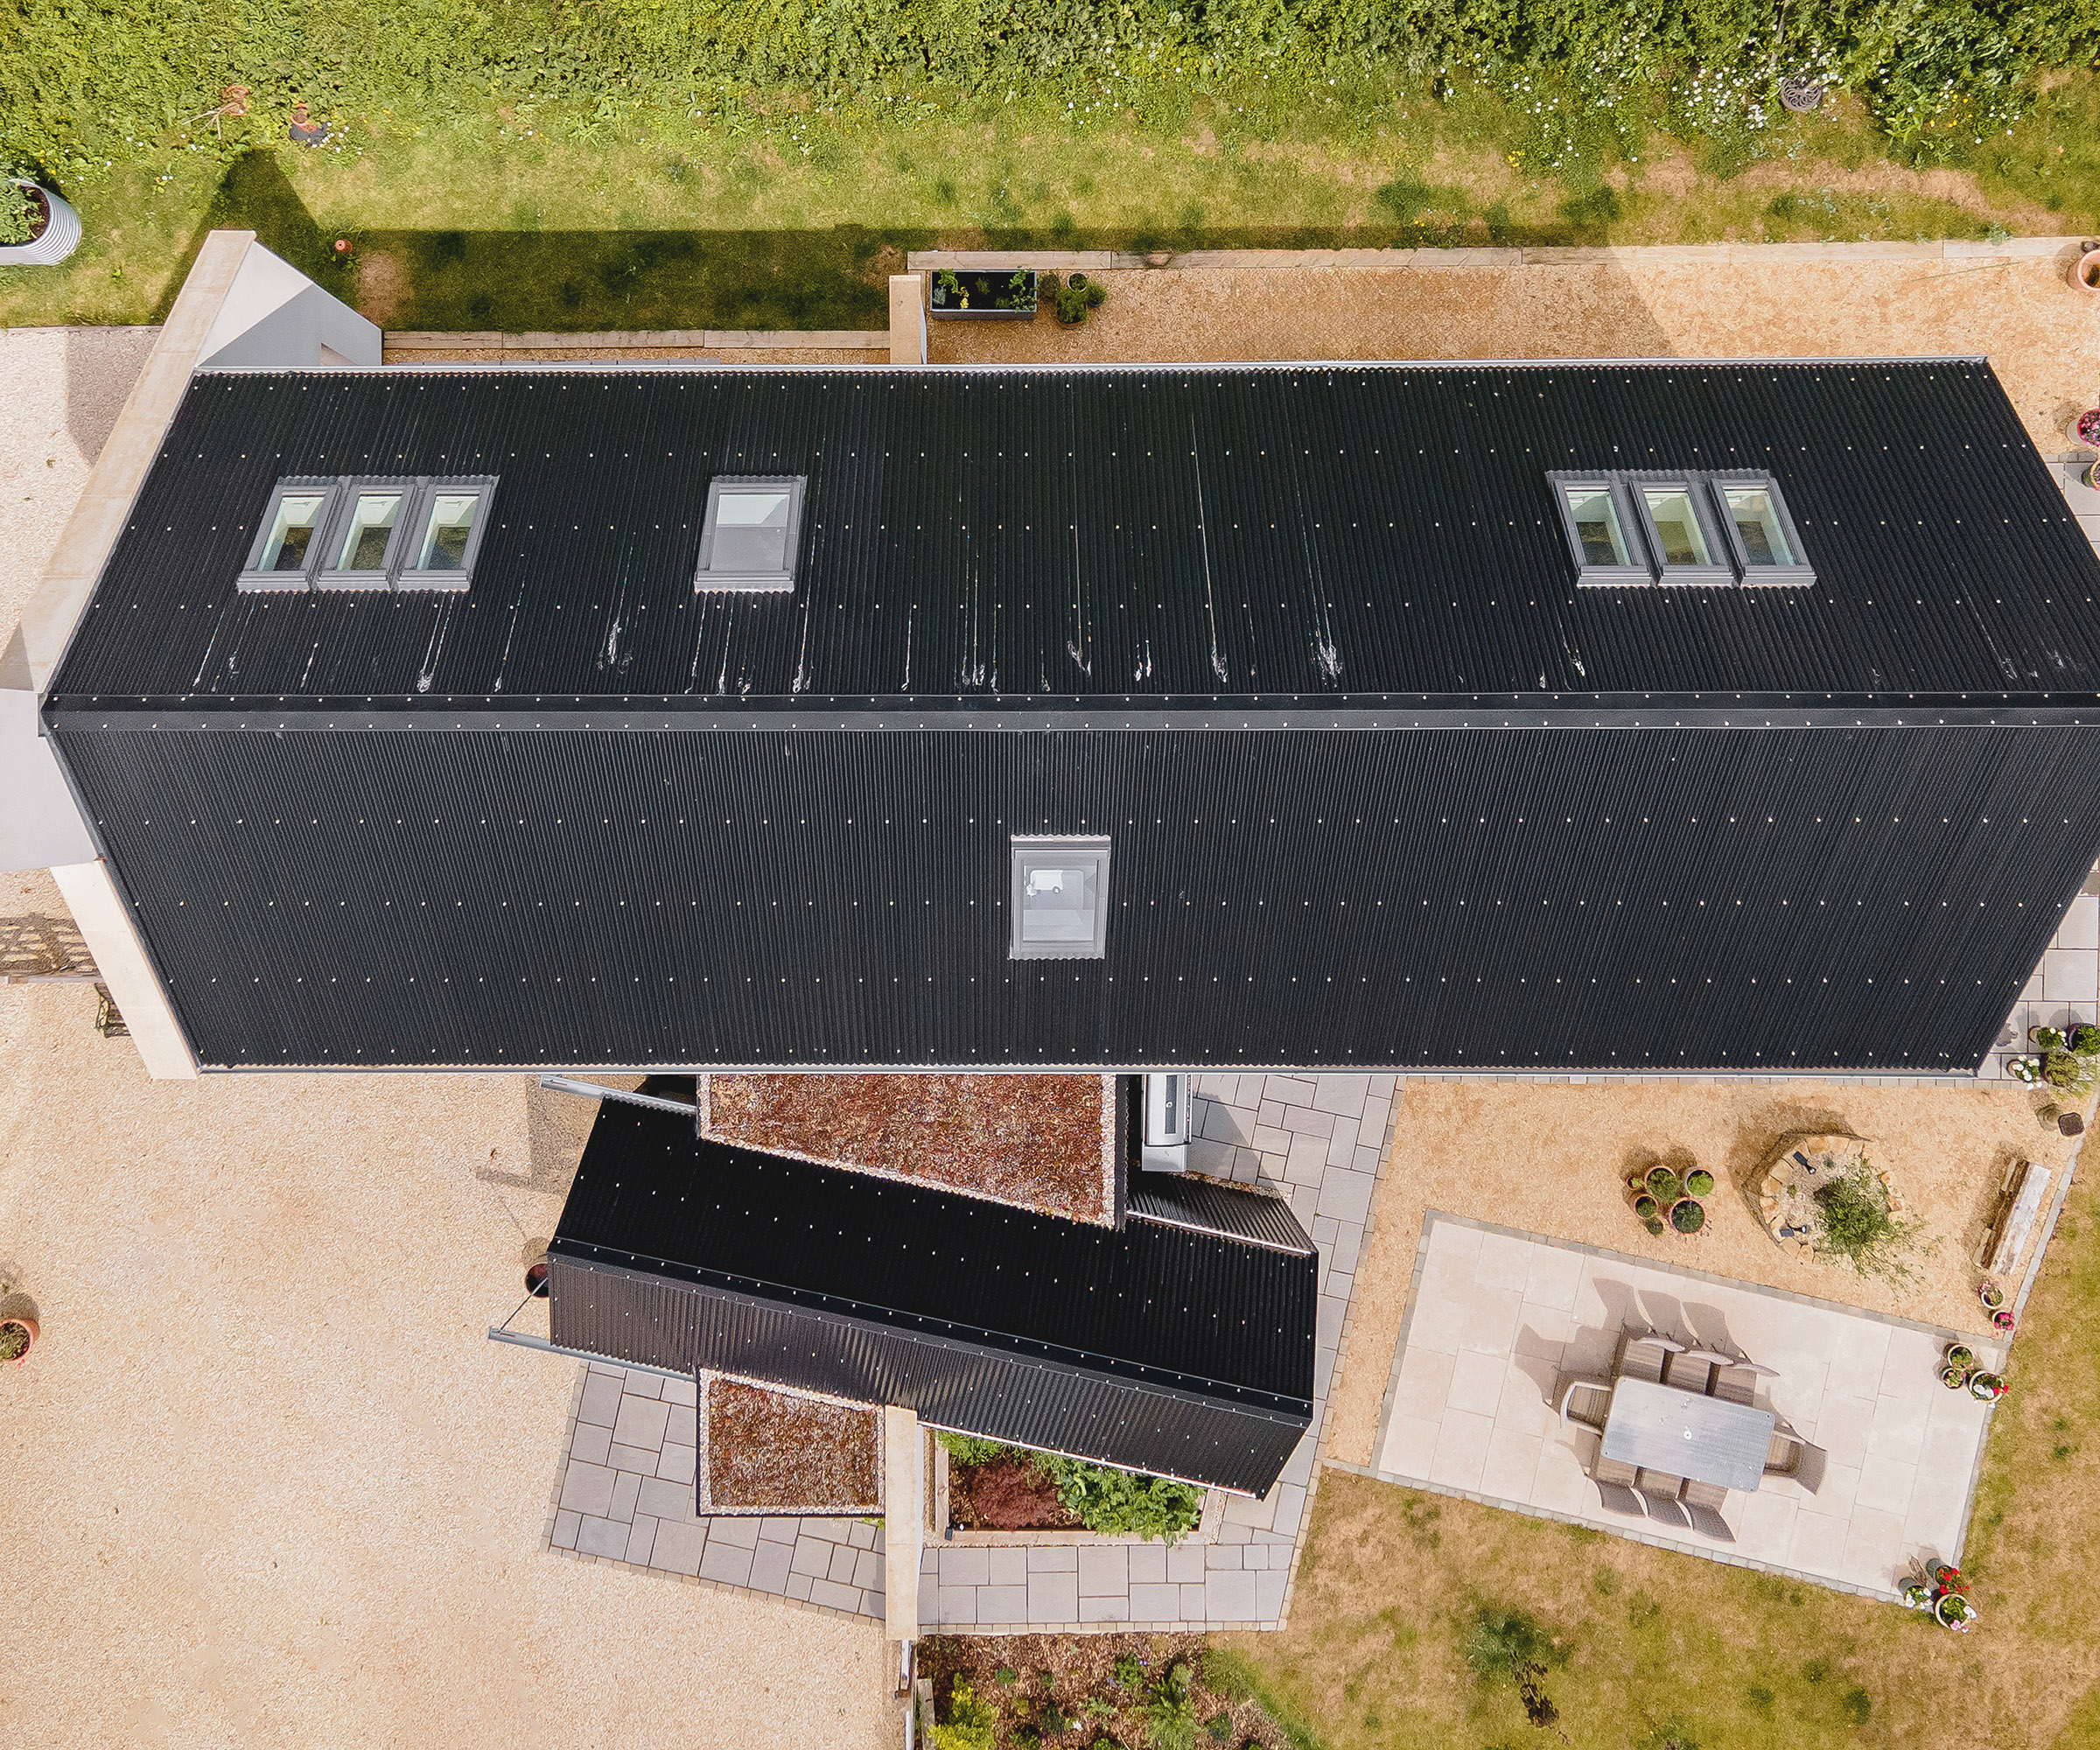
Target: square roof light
{"points": [[1061, 899], [364, 546], [444, 534], [289, 538], [752, 533]]}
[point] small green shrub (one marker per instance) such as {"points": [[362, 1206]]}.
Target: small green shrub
{"points": [[1699, 1182], [1170, 1715], [965, 1449], [1121, 1503], [2068, 1072], [970, 1722], [1854, 1221], [1688, 1216], [1130, 1674], [19, 214], [2085, 1041]]}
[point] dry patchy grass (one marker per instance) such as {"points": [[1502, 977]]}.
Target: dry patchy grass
{"points": [[1658, 1644]]}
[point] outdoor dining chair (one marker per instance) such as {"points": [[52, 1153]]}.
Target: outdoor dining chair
{"points": [[1614, 1483], [1691, 1371], [1735, 1384], [1702, 1503], [1586, 1401], [1641, 1357], [1658, 1492], [1782, 1457]]}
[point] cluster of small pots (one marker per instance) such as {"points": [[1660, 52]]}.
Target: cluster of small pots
{"points": [[1944, 1591], [1993, 1298], [1958, 1369], [1663, 1200]]}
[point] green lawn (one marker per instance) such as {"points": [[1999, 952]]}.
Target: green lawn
{"points": [[1649, 1648], [529, 218]]}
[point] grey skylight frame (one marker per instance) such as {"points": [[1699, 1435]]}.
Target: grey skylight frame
{"points": [[429, 489], [1704, 510], [253, 580], [781, 582], [1755, 576], [1639, 573], [1707, 489], [1026, 848], [335, 577]]}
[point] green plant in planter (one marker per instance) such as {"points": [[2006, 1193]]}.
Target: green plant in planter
{"points": [[1076, 297], [2068, 1072], [2085, 1041], [970, 1722], [1654, 1224], [1852, 1219], [2046, 1039], [947, 285], [1688, 1215], [1665, 1186], [1699, 1183], [19, 214], [1645, 1206]]}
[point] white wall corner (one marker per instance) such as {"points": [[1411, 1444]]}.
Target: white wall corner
{"points": [[120, 957], [274, 317], [903, 1520], [39, 822]]}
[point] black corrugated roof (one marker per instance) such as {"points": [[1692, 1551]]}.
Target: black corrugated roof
{"points": [[1186, 1311], [1368, 530]]}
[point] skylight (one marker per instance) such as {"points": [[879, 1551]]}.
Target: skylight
{"points": [[352, 534], [1637, 527], [1061, 899], [753, 534]]}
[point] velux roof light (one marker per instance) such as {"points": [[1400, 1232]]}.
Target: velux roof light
{"points": [[413, 533]]}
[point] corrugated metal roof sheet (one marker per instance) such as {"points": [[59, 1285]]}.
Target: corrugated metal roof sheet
{"points": [[1163, 1307], [1114, 534]]}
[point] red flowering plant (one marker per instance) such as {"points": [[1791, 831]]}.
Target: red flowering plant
{"points": [[1950, 1579]]}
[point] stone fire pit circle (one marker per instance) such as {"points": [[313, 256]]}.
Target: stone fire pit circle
{"points": [[1799, 1165]]}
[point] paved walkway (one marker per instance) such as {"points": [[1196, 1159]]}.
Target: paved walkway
{"points": [[624, 1490], [1497, 1318]]}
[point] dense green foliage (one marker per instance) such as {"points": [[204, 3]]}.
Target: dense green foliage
{"points": [[970, 1723], [87, 83], [1855, 1221], [1116, 1503]]}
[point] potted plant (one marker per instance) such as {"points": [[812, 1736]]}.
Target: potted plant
{"points": [[2085, 271], [1991, 1294], [1076, 297], [38, 228], [1916, 1594], [1698, 1182], [2085, 429], [1945, 1577], [17, 1337], [2083, 1040], [1663, 1184], [1645, 1206], [1688, 1215], [1987, 1388], [2045, 1039], [2026, 1069], [2003, 1319], [1955, 1612], [1954, 1378], [1959, 1355]]}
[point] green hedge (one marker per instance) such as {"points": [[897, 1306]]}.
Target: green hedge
{"points": [[84, 83]]}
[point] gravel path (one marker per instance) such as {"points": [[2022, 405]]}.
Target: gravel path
{"points": [[271, 1483]]}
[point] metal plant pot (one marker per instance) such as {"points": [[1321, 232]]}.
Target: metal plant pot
{"points": [[58, 238]]}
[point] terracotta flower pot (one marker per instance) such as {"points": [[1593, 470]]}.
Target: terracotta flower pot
{"points": [[2085, 271], [28, 1327]]}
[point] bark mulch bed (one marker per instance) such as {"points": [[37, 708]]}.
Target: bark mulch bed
{"points": [[1005, 1495], [1020, 1673], [780, 1452], [1044, 1142]]}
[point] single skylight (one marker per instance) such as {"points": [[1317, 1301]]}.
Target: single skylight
{"points": [[445, 531], [1675, 521], [288, 540], [1061, 899], [367, 542], [751, 535]]}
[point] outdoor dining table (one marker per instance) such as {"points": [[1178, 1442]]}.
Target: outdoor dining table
{"points": [[1684, 1433]]}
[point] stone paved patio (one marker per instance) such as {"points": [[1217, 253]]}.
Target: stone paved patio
{"points": [[1496, 1319], [624, 1491]]}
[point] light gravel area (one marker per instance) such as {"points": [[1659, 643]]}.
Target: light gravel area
{"points": [[270, 1482], [2040, 335]]}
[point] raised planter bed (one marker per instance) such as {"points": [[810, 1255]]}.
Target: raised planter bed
{"points": [[57, 231], [946, 1521], [982, 295], [1045, 1142], [763, 1451]]}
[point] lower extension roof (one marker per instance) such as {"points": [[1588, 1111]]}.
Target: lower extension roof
{"points": [[1163, 1347]]}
